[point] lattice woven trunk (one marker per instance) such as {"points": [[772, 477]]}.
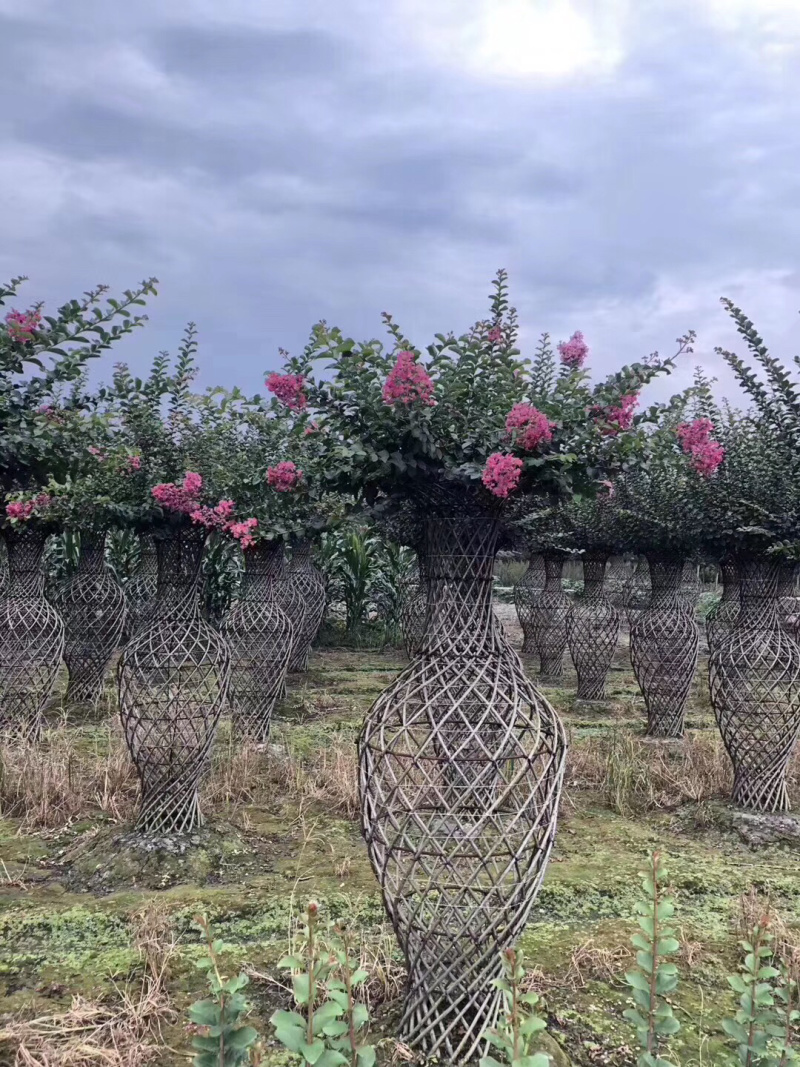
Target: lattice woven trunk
{"points": [[664, 646], [787, 598], [414, 608], [173, 682], [140, 591], [260, 637], [637, 592], [31, 637], [92, 606], [755, 689], [461, 765], [593, 631], [722, 615], [526, 592], [550, 612], [309, 588], [616, 579], [690, 587]]}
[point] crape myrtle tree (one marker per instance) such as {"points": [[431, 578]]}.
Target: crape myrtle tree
{"points": [[752, 516], [42, 408], [456, 435]]}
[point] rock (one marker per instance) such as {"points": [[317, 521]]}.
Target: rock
{"points": [[755, 828], [545, 1043]]}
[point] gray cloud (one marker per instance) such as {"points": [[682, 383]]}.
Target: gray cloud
{"points": [[275, 165]]}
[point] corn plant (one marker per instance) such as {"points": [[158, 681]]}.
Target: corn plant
{"points": [[654, 978], [519, 1024]]}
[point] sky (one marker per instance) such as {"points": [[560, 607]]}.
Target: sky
{"points": [[274, 162]]}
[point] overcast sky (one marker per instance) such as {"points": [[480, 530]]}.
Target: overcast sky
{"points": [[274, 162]]}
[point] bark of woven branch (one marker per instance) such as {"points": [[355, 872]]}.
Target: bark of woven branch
{"points": [[593, 631], [526, 591], [721, 618], [173, 682], [309, 587], [260, 636], [755, 689], [414, 607], [92, 606], [665, 642], [550, 612], [461, 762], [140, 591], [31, 637]]}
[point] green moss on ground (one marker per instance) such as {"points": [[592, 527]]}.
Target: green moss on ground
{"points": [[69, 898]]}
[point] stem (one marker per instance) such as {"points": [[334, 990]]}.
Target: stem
{"points": [[515, 1012], [348, 981], [312, 913], [651, 1037], [751, 1033]]}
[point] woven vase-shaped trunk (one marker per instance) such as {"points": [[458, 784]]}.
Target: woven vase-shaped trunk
{"points": [[260, 638], [173, 682], [140, 591], [309, 588], [461, 764], [31, 637], [593, 631], [549, 621], [414, 608], [664, 645], [92, 606], [616, 580], [755, 689], [722, 616], [787, 598], [526, 592], [690, 587], [637, 592]]}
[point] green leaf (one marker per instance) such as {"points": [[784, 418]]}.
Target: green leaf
{"points": [[204, 1013], [637, 981], [331, 1058], [366, 1056]]}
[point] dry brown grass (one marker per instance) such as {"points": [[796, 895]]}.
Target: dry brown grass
{"points": [[329, 777], [638, 776], [595, 961]]}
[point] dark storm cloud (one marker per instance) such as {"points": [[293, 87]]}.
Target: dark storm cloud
{"points": [[275, 170]]}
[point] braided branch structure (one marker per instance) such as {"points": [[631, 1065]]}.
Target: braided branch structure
{"points": [[755, 689], [665, 642], [526, 592], [308, 585], [260, 637], [550, 612], [140, 591], [637, 592], [414, 607], [593, 631], [722, 616], [787, 598], [31, 637], [690, 587], [173, 682], [92, 606], [461, 764]]}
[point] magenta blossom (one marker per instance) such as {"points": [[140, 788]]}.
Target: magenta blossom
{"points": [[408, 381], [696, 441], [134, 463], [284, 476], [22, 510], [495, 335], [192, 483], [98, 453], [529, 427], [242, 531], [574, 351], [288, 388], [23, 324], [216, 518], [501, 474], [181, 498], [621, 415]]}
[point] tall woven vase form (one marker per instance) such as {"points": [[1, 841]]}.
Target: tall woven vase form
{"points": [[173, 682], [787, 598], [461, 764], [690, 586], [637, 592], [722, 616], [755, 689], [259, 634], [593, 631], [665, 642], [92, 606], [140, 591], [31, 637], [414, 608], [308, 584], [526, 591], [550, 614]]}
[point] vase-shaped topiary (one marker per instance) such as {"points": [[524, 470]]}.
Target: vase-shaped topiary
{"points": [[593, 631]]}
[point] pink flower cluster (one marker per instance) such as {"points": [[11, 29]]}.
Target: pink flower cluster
{"points": [[697, 442], [242, 531], [182, 498], [529, 426], [216, 518], [289, 389], [622, 414], [134, 463], [22, 324], [502, 473], [98, 453], [408, 381], [574, 351], [24, 509], [495, 335], [284, 476]]}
